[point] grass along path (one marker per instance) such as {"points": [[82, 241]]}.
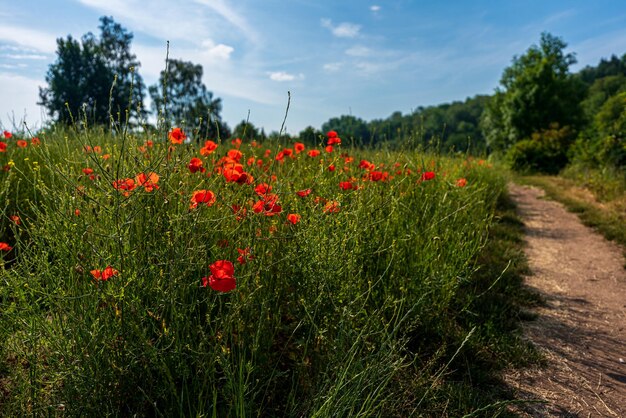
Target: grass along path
{"points": [[581, 328], [607, 216]]}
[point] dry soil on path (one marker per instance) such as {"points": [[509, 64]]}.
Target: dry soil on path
{"points": [[581, 330]]}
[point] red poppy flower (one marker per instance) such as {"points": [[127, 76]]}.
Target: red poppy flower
{"points": [[244, 255], [268, 205], [15, 219], [109, 272], [236, 142], [233, 172], [235, 154], [125, 186], [366, 165], [346, 185], [329, 148], [461, 182], [4, 246], [148, 181], [331, 167], [280, 156], [208, 148], [428, 175], [262, 189], [7, 134], [333, 138], [195, 165], [222, 277], [293, 218], [313, 153], [97, 149], [298, 147], [21, 143], [304, 193], [176, 136], [332, 207], [87, 171], [376, 175], [105, 274], [206, 197], [3, 146], [35, 141], [76, 212]]}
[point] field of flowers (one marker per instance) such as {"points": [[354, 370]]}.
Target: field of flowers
{"points": [[143, 274]]}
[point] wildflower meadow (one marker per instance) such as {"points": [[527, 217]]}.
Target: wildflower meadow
{"points": [[148, 274]]}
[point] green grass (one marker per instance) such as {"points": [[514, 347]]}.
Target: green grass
{"points": [[397, 304]]}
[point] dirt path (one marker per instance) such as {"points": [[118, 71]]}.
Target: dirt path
{"points": [[582, 330]]}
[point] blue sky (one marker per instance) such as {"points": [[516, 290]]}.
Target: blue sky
{"points": [[365, 58]]}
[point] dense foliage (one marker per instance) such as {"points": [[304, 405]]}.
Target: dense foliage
{"points": [[447, 127]]}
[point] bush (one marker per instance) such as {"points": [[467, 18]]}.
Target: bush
{"points": [[545, 152]]}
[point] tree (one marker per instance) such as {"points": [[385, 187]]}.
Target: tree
{"points": [[349, 127], [181, 98], [611, 67], [95, 78], [311, 136], [78, 83], [246, 131], [537, 90], [114, 46]]}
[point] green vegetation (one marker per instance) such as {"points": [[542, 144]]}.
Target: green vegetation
{"points": [[143, 274], [537, 93], [377, 290], [546, 120]]}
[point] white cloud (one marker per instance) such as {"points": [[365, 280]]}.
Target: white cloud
{"points": [[591, 50], [162, 19], [333, 67], [375, 8], [189, 20], [343, 30], [221, 76], [284, 76], [34, 40], [13, 66], [369, 67], [359, 51], [228, 13], [24, 94], [26, 57], [219, 51]]}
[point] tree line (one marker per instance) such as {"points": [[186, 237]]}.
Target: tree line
{"points": [[540, 117]]}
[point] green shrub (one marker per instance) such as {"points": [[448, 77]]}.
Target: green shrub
{"points": [[545, 152]]}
